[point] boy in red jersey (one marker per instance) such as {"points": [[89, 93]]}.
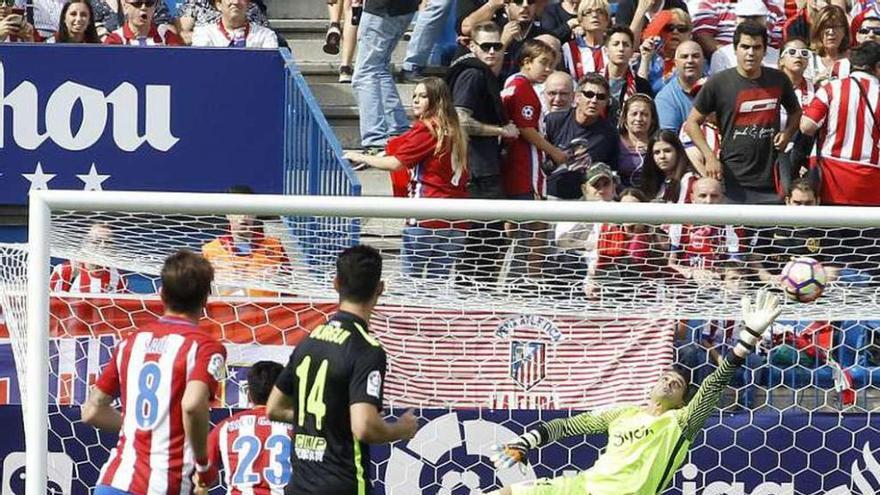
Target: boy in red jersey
{"points": [[521, 174], [165, 376], [255, 451]]}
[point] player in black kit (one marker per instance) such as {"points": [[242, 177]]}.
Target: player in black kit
{"points": [[331, 389]]}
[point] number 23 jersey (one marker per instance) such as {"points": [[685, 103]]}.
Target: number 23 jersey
{"points": [[149, 372], [338, 365]]}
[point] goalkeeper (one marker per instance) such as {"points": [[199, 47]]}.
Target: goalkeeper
{"points": [[646, 445]]}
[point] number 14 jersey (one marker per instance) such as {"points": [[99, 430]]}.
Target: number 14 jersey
{"points": [[338, 365]]}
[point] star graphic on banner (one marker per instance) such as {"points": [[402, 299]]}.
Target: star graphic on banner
{"points": [[39, 180], [93, 179]]}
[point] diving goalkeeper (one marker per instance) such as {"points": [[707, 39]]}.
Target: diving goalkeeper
{"points": [[646, 445]]}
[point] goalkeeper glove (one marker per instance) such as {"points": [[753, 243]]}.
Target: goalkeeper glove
{"points": [[758, 317], [516, 452]]}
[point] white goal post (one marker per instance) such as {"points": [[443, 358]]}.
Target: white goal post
{"points": [[44, 203]]}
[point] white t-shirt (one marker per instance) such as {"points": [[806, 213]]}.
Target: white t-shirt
{"points": [[214, 35]]}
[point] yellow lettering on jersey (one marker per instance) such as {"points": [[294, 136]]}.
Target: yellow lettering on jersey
{"points": [[330, 333], [309, 448]]}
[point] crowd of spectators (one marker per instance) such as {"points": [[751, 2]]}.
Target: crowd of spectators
{"points": [[706, 101], [214, 23]]}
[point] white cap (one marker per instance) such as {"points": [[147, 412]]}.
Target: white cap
{"points": [[750, 8]]}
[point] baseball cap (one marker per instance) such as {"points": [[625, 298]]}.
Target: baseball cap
{"points": [[751, 8], [598, 170]]}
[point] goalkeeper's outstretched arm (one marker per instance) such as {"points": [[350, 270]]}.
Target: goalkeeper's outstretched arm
{"points": [[757, 318]]}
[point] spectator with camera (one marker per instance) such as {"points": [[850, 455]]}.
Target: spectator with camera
{"points": [[77, 24], [139, 28], [233, 29], [659, 44], [13, 23], [586, 121]]}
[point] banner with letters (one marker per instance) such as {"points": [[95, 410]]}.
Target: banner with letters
{"points": [[171, 119]]}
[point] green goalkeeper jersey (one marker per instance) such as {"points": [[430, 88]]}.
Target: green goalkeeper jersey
{"points": [[644, 451]]}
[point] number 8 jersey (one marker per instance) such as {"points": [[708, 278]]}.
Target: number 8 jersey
{"points": [[149, 372], [255, 452], [338, 365]]}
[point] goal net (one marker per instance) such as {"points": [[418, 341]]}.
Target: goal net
{"points": [[496, 315]]}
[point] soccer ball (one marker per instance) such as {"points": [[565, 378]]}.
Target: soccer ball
{"points": [[803, 279]]}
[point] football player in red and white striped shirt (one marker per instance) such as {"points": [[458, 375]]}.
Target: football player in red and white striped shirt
{"points": [[254, 450], [844, 116], [165, 376]]}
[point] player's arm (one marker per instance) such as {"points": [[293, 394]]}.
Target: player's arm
{"points": [[369, 427], [196, 405], [537, 139], [365, 391], [583, 424], [279, 407], [99, 412], [757, 318]]}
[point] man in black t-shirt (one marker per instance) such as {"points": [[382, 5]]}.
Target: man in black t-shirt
{"points": [[476, 95], [331, 389], [746, 100], [586, 122]]}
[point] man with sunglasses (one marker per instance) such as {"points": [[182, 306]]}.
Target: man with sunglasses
{"points": [[586, 121], [725, 56], [233, 29], [515, 19], [746, 101], [139, 28]]}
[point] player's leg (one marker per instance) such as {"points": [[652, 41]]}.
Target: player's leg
{"points": [[563, 485]]}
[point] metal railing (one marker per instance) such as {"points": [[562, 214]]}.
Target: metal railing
{"points": [[314, 166]]}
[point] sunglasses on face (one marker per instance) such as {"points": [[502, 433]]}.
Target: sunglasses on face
{"points": [[143, 3], [593, 95], [797, 52], [488, 46], [522, 3], [866, 30], [678, 28]]}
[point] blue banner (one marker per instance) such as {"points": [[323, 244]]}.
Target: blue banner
{"points": [[740, 454], [171, 119]]}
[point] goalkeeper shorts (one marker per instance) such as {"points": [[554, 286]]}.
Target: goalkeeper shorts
{"points": [[563, 485]]}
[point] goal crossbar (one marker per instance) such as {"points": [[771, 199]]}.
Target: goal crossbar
{"points": [[43, 203]]}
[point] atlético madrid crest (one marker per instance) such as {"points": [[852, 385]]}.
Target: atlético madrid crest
{"points": [[528, 358]]}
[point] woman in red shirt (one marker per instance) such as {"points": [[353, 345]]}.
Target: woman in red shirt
{"points": [[434, 152]]}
